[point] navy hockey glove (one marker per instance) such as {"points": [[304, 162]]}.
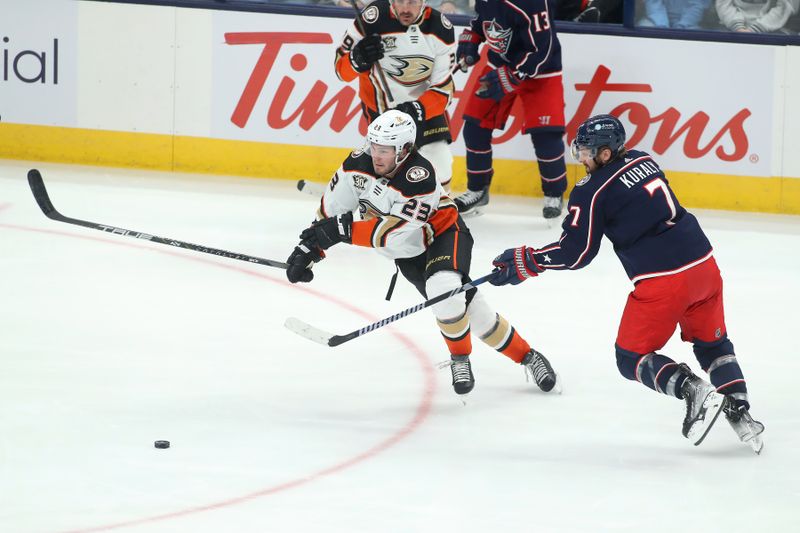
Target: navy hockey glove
{"points": [[498, 83], [467, 51], [300, 262], [366, 52], [415, 110], [514, 266], [329, 231]]}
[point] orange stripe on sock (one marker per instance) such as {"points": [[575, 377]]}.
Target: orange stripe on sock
{"points": [[517, 348], [460, 347]]}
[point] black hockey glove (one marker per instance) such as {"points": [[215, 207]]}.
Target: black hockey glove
{"points": [[498, 83], [415, 110], [514, 266], [366, 52], [467, 52], [300, 262], [329, 231]]}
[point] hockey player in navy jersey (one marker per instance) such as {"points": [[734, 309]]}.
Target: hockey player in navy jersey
{"points": [[386, 196], [524, 64], [626, 197]]}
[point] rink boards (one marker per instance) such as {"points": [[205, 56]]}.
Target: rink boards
{"points": [[255, 94]]}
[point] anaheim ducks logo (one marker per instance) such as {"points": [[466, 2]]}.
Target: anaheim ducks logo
{"points": [[416, 174], [410, 70]]}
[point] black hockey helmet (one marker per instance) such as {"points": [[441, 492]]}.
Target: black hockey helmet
{"points": [[597, 132]]}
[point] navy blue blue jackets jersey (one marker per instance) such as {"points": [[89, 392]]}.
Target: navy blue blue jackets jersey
{"points": [[629, 201], [520, 34]]}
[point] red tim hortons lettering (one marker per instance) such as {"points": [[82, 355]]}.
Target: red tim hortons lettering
{"points": [[668, 132], [312, 107]]}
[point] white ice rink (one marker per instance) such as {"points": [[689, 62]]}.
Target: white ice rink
{"points": [[108, 343]]}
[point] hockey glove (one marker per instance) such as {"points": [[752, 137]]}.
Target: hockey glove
{"points": [[366, 52], [467, 52], [514, 266], [300, 262], [415, 110], [329, 231], [498, 83]]}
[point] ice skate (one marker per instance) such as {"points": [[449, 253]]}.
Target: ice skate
{"points": [[553, 205], [472, 202], [541, 371], [748, 430], [460, 367], [703, 406]]}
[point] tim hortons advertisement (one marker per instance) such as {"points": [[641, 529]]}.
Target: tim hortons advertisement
{"points": [[38, 62], [274, 82]]}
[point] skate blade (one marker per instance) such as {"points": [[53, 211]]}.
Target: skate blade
{"points": [[713, 405], [558, 388], [757, 444]]}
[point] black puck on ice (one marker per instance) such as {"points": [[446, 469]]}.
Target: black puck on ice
{"points": [[161, 444]]}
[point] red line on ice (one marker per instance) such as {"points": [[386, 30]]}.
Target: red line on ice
{"points": [[421, 413]]}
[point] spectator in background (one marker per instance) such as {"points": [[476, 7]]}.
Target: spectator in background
{"points": [[678, 14], [453, 7], [603, 11], [757, 16]]}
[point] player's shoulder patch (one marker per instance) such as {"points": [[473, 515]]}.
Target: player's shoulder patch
{"points": [[584, 180], [446, 22], [378, 19], [370, 14], [416, 177], [438, 25], [416, 174]]}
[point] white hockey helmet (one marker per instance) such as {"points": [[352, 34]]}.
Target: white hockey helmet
{"points": [[393, 128]]}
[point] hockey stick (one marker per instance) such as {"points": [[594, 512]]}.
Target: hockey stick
{"points": [[43, 199], [322, 337], [310, 187], [380, 70]]}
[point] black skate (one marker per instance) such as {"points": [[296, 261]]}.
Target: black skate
{"points": [[748, 430], [703, 406], [470, 202], [541, 371], [552, 206], [463, 380]]}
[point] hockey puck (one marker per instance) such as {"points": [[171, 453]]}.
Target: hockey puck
{"points": [[162, 444]]}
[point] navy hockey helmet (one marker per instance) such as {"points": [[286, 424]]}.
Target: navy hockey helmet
{"points": [[598, 132]]}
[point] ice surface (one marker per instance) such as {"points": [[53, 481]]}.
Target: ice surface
{"points": [[108, 343]]}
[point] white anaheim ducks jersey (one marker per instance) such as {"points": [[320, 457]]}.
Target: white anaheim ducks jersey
{"points": [[417, 62], [399, 216]]}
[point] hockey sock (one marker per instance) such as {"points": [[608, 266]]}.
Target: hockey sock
{"points": [[479, 155], [456, 334], [719, 361], [653, 370], [549, 148], [494, 330], [504, 338]]}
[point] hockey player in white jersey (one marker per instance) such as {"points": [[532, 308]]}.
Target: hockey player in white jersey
{"points": [[414, 46], [386, 196]]}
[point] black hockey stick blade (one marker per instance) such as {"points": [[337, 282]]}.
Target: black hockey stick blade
{"points": [[328, 339], [311, 188], [40, 194], [43, 199]]}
